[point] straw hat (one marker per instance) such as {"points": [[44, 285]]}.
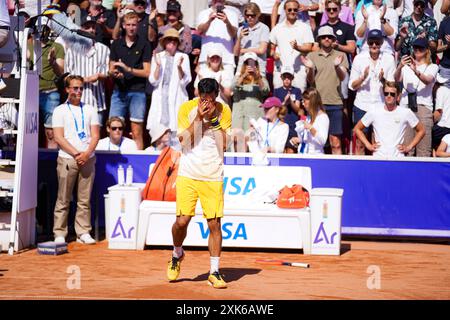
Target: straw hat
{"points": [[169, 33]]}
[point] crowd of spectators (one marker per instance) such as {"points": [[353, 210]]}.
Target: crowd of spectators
{"points": [[301, 76]]}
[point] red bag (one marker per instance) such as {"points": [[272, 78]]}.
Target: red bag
{"points": [[160, 185], [295, 197]]}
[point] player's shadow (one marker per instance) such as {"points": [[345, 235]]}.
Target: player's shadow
{"points": [[229, 274]]}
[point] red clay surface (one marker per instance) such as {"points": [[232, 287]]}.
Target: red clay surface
{"points": [[407, 271]]}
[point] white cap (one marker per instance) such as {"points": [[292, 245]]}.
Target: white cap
{"points": [[157, 130], [249, 55], [214, 52], [287, 69]]}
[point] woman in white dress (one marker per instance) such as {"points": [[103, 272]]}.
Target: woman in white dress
{"points": [[169, 76]]}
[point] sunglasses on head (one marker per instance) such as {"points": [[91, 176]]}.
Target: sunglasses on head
{"points": [[292, 10], [332, 9], [117, 128], [392, 94]]}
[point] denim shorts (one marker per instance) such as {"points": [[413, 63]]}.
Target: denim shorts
{"points": [[132, 103], [47, 103], [334, 113]]}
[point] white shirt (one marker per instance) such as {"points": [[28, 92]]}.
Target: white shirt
{"points": [[272, 134], [125, 145], [4, 14], [302, 16], [282, 34], [373, 22], [69, 117], [313, 144], [443, 103], [389, 128], [265, 5], [411, 83], [370, 93], [223, 77], [217, 36], [446, 139]]}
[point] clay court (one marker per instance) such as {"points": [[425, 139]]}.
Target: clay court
{"points": [[407, 271]]}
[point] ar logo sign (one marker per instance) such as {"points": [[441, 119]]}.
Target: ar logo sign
{"points": [[121, 232], [320, 232]]}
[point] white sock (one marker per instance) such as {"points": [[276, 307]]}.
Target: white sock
{"points": [[214, 264], [177, 252]]}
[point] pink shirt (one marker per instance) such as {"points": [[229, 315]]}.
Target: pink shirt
{"points": [[345, 15]]}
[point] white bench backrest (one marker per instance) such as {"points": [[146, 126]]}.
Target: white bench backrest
{"points": [[243, 182]]}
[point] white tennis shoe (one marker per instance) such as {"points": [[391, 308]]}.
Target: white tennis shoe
{"points": [[86, 239]]}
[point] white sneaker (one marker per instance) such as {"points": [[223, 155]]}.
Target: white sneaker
{"points": [[86, 239], [60, 240]]}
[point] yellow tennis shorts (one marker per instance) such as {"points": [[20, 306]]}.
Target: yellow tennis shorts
{"points": [[210, 194]]}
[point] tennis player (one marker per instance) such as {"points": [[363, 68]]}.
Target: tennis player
{"points": [[203, 130]]}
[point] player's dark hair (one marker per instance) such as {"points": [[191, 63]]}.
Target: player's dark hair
{"points": [[208, 85]]}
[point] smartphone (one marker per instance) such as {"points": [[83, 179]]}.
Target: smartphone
{"points": [[251, 63], [245, 25], [220, 8]]}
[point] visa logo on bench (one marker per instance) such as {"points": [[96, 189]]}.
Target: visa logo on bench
{"points": [[228, 231], [238, 185]]}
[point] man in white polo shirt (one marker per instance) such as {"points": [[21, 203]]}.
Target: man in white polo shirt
{"points": [[369, 71], [289, 40], [218, 27], [389, 126], [77, 131]]}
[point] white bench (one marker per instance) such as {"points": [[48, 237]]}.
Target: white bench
{"points": [[248, 221]]}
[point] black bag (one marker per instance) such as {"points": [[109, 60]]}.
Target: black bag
{"points": [[412, 101]]}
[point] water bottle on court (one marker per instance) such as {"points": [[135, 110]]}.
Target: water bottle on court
{"points": [[325, 210], [129, 180], [121, 175]]}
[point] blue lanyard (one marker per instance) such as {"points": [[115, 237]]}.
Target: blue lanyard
{"points": [[109, 144], [75, 119], [269, 131]]}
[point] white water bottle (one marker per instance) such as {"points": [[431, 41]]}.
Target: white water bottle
{"points": [[120, 175], [129, 175]]}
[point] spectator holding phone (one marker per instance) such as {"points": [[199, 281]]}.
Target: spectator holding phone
{"points": [[253, 36], [250, 90], [312, 131], [218, 27], [418, 74]]}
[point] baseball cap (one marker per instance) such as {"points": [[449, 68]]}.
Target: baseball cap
{"points": [[375, 34], [287, 69], [420, 42], [424, 1], [249, 55], [271, 102], [325, 31], [214, 52], [173, 5]]}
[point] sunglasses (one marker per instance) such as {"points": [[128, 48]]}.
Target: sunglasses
{"points": [[250, 15], [140, 3], [392, 94], [77, 88], [327, 37], [371, 43], [117, 128], [419, 48], [332, 9], [292, 10]]}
